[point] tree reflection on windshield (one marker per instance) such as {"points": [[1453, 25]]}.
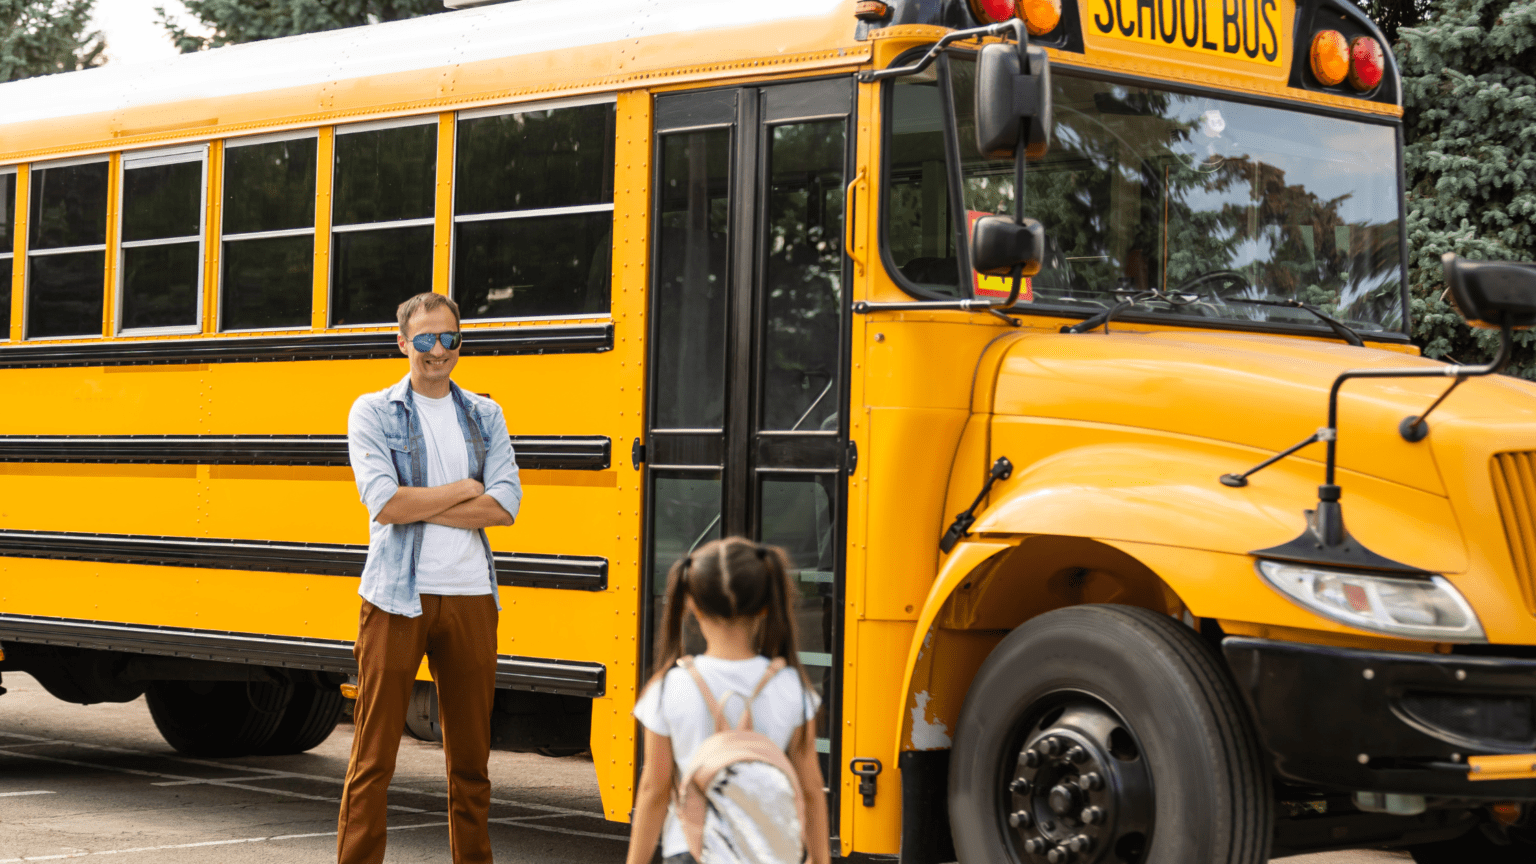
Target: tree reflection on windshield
{"points": [[1213, 201]]}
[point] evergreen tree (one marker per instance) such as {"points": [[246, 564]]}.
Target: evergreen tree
{"points": [[1469, 76], [236, 21], [38, 37]]}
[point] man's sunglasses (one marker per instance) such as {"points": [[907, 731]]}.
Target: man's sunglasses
{"points": [[423, 341]]}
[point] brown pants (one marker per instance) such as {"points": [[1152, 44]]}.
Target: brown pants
{"points": [[458, 635]]}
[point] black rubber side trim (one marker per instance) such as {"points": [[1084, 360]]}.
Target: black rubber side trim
{"points": [[536, 339], [568, 677], [546, 452], [567, 572]]}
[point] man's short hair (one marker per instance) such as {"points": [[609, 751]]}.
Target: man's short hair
{"points": [[424, 303]]}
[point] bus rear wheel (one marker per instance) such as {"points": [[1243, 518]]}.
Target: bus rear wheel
{"points": [[310, 718], [1088, 728], [218, 718]]}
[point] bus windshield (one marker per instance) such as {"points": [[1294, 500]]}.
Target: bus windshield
{"points": [[1217, 204]]}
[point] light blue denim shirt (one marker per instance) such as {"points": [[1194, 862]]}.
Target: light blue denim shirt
{"points": [[385, 444]]}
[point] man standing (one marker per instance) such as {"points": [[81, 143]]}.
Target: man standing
{"points": [[435, 467]]}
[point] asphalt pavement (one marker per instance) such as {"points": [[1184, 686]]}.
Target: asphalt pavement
{"points": [[97, 781]]}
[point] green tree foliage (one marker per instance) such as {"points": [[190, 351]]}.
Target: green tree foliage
{"points": [[1393, 15], [236, 21], [38, 37], [1469, 75]]}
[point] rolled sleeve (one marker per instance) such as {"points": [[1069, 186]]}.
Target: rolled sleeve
{"points": [[501, 476], [372, 466]]}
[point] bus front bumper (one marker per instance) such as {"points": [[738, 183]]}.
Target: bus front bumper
{"points": [[1386, 721]]}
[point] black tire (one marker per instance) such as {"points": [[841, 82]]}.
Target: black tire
{"points": [[421, 718], [311, 716], [1116, 710], [1476, 846], [218, 718]]}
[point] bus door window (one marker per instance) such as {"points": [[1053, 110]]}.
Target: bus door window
{"points": [[268, 253], [533, 212], [688, 362], [382, 207], [160, 277], [67, 252], [7, 246], [802, 302]]}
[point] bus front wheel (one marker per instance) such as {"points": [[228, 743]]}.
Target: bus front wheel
{"points": [[1107, 734]]}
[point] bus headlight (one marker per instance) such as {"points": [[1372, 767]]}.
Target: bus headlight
{"points": [[1429, 609]]}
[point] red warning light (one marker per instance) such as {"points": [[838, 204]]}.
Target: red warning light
{"points": [[1366, 63]]}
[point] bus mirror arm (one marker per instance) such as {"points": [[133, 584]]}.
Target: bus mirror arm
{"points": [[1002, 469], [1013, 25]]}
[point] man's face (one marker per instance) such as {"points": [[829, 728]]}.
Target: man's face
{"points": [[436, 365]]}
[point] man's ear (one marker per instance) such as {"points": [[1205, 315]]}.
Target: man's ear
{"points": [[400, 341]]}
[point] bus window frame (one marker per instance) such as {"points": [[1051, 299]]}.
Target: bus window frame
{"points": [[148, 159], [1058, 67], [434, 120], [610, 98], [218, 288], [9, 254], [103, 248]]}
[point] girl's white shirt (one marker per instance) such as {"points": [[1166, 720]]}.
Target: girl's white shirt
{"points": [[675, 709]]}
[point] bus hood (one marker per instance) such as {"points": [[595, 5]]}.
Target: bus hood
{"points": [[1261, 392]]}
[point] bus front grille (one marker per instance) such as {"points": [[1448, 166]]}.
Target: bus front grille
{"points": [[1514, 485]]}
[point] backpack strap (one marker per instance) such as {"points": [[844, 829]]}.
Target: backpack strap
{"points": [[774, 668], [709, 698]]}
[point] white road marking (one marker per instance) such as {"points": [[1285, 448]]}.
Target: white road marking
{"points": [[274, 773], [227, 784], [19, 794], [202, 844], [219, 780]]}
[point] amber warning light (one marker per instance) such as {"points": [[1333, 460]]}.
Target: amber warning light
{"points": [[1040, 16], [1361, 60]]}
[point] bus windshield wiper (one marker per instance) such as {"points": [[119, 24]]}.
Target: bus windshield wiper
{"points": [[1333, 323], [1108, 314]]}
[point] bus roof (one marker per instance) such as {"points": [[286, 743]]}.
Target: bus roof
{"points": [[320, 66]]}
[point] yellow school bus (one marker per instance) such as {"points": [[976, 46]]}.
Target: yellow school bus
{"points": [[1061, 446]]}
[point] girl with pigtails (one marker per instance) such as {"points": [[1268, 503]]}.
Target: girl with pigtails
{"points": [[749, 677]]}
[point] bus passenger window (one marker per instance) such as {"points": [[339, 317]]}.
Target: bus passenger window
{"points": [[67, 255], [7, 246], [918, 231], [268, 233], [533, 215], [162, 242], [381, 214]]}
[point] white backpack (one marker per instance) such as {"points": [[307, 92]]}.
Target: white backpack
{"points": [[739, 800]]}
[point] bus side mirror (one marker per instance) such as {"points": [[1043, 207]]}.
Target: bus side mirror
{"points": [[1009, 97], [1492, 293], [998, 244]]}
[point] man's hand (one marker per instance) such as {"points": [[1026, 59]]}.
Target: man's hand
{"points": [[480, 512], [420, 504]]}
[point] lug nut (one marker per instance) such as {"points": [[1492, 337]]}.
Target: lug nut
{"points": [[1059, 855], [1093, 815], [1021, 819], [1050, 746], [1031, 759], [1020, 786], [1078, 755], [1035, 845], [1090, 782], [1080, 843]]}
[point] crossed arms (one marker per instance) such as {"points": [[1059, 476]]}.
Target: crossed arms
{"points": [[457, 505]]}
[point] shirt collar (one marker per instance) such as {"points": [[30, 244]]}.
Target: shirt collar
{"points": [[401, 391]]}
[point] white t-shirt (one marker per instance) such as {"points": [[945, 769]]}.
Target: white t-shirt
{"points": [[452, 559], [783, 706]]}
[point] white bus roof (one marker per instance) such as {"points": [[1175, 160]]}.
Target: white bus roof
{"points": [[452, 38]]}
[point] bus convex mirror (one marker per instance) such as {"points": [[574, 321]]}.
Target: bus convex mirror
{"points": [[1010, 98], [1492, 293], [998, 244]]}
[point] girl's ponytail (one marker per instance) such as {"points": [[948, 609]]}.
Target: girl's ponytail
{"points": [[669, 637], [778, 635]]}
